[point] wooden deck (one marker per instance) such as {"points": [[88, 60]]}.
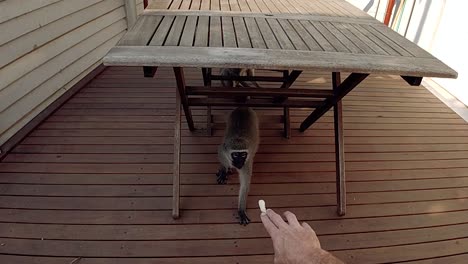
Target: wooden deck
{"points": [[93, 182]]}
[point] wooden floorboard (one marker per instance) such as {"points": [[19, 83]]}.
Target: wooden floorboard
{"points": [[93, 182]]}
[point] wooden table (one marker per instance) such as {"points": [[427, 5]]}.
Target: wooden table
{"points": [[343, 39]]}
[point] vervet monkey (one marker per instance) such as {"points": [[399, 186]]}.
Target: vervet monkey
{"points": [[236, 72], [238, 150]]}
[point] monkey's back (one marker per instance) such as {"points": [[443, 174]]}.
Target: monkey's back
{"points": [[242, 128]]}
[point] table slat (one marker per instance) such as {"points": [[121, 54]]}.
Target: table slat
{"points": [[243, 39], [201, 35], [311, 43], [268, 35], [280, 35], [176, 31], [296, 40], [215, 32], [162, 31], [401, 41], [341, 37], [332, 39], [327, 46], [254, 33], [229, 36], [142, 32], [387, 40], [381, 44], [364, 42], [188, 35]]}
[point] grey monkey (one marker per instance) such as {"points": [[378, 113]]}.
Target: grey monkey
{"points": [[236, 72], [237, 152]]}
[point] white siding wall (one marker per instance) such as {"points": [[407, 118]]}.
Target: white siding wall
{"points": [[46, 47], [139, 6]]}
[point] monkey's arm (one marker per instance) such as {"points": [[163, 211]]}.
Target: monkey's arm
{"points": [[224, 169], [245, 175]]}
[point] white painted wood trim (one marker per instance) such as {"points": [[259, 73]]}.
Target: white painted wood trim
{"points": [[448, 99], [130, 8]]}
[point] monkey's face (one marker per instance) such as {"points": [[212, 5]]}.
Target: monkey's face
{"points": [[238, 158]]}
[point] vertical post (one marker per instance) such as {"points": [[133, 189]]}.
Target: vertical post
{"points": [[288, 80], [176, 168], [389, 11], [339, 149], [206, 72], [287, 124], [180, 80], [130, 10]]}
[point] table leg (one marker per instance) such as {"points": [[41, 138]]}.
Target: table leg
{"points": [[343, 89], [206, 72], [176, 168], [339, 150], [287, 123], [289, 78], [179, 74], [149, 72]]}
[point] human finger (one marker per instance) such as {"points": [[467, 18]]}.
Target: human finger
{"points": [[276, 218], [269, 225], [292, 219], [309, 229], [307, 226]]}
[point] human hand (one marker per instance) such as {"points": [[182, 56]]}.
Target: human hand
{"points": [[294, 243]]}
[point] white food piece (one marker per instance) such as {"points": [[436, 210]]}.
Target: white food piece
{"points": [[262, 206]]}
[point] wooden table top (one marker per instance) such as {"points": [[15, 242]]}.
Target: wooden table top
{"points": [[344, 39]]}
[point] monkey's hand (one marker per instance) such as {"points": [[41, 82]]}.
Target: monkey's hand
{"points": [[243, 218], [222, 176]]}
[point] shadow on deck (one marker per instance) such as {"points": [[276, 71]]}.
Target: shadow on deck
{"points": [[93, 182]]}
